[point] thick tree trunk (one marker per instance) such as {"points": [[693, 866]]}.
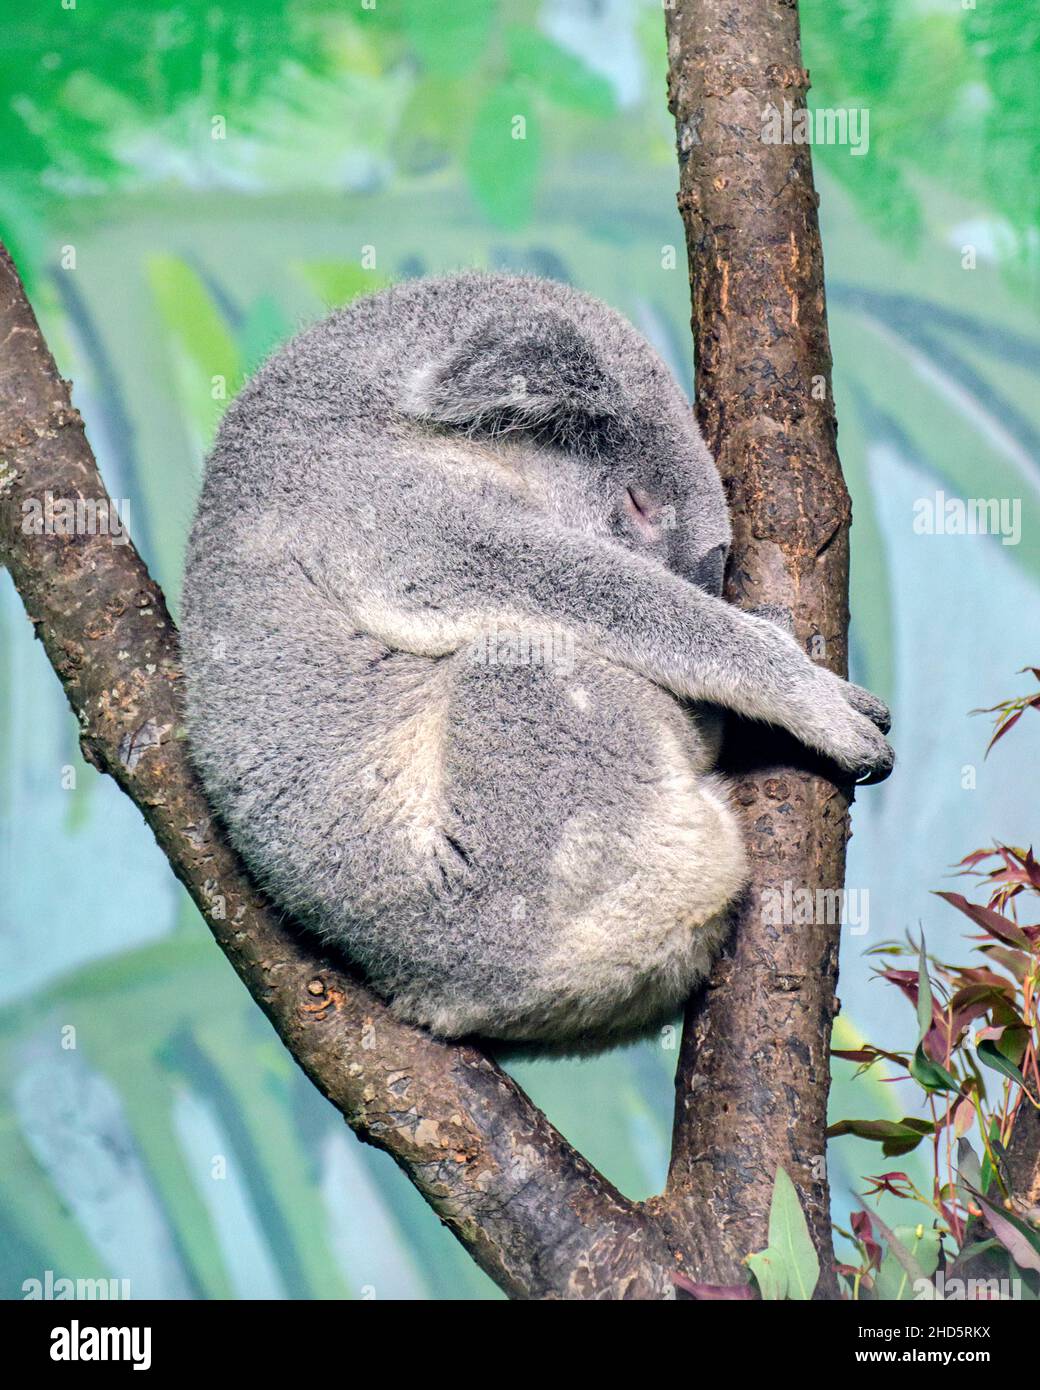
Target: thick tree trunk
{"points": [[753, 1074]]}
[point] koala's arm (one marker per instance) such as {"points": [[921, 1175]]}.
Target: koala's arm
{"points": [[465, 566]]}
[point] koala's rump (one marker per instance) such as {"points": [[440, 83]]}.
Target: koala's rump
{"points": [[520, 849], [579, 854]]}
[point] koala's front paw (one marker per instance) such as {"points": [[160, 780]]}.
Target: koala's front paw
{"points": [[848, 724]]}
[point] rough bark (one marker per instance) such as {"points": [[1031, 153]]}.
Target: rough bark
{"points": [[753, 1073], [531, 1211]]}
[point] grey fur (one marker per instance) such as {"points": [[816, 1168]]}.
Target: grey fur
{"points": [[438, 658]]}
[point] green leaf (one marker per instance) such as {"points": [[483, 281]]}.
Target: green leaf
{"points": [[504, 155], [995, 1146], [895, 1136], [924, 993], [894, 1281], [789, 1239], [969, 1170], [907, 1262], [988, 1054], [933, 1076], [435, 123], [770, 1274], [976, 1248]]}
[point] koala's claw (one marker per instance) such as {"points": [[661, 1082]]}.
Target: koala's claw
{"points": [[876, 710], [877, 768]]}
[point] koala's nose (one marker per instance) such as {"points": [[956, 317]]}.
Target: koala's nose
{"points": [[710, 569]]}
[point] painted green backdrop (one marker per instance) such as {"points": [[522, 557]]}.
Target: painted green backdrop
{"points": [[183, 186]]}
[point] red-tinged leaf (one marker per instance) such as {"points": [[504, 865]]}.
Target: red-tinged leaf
{"points": [[963, 1116], [906, 980], [975, 857], [1032, 868], [864, 1233], [990, 921], [972, 1002], [709, 1292], [934, 1043], [1011, 874], [985, 993], [961, 1022], [1004, 728], [978, 975], [869, 1054], [1017, 963], [898, 1184]]}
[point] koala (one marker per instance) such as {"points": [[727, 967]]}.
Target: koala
{"points": [[456, 659]]}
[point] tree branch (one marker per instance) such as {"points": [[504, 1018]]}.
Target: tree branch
{"points": [[531, 1211], [753, 1072]]}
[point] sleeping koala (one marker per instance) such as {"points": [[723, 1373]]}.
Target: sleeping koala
{"points": [[456, 657]]}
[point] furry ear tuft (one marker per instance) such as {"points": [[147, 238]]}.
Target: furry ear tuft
{"points": [[538, 373]]}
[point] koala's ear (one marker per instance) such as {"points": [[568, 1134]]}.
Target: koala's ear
{"points": [[534, 372]]}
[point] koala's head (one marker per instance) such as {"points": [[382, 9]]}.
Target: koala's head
{"points": [[576, 377]]}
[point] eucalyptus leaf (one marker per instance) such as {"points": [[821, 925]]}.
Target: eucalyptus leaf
{"points": [[969, 1170], [914, 1269], [924, 992], [990, 1057], [789, 1238], [1019, 1240], [894, 1281], [770, 1274], [932, 1075]]}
